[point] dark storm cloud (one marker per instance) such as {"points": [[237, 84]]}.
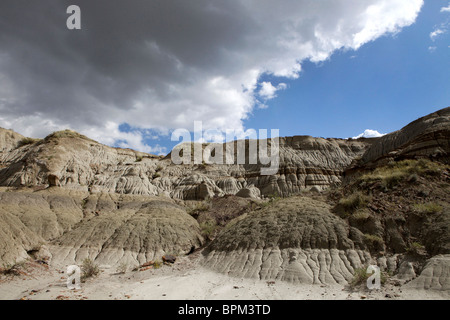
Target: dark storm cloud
{"points": [[163, 64]]}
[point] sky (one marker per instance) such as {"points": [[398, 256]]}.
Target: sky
{"points": [[137, 70]]}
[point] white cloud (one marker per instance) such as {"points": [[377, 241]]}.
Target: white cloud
{"points": [[446, 9], [268, 91], [436, 33], [432, 49], [369, 134], [203, 61]]}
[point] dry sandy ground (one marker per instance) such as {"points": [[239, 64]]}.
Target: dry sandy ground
{"points": [[185, 280]]}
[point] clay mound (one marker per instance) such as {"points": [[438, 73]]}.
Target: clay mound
{"points": [[28, 219], [107, 228], [128, 230], [223, 210], [435, 275], [297, 240]]}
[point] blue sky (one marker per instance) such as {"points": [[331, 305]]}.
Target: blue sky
{"points": [[383, 86], [137, 70]]}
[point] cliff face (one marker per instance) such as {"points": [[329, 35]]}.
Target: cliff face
{"points": [[72, 161], [428, 137], [9, 140]]}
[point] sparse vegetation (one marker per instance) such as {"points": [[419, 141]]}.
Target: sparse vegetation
{"points": [[427, 208], [199, 207], [89, 269], [138, 158], [360, 277], [272, 198], [352, 203], [83, 203], [361, 214], [157, 264], [373, 241], [66, 134], [406, 170], [416, 248], [27, 141], [208, 228], [122, 268], [14, 269]]}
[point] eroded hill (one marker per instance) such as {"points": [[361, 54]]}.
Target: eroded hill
{"points": [[334, 206]]}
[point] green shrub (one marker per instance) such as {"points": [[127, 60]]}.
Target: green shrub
{"points": [[199, 207], [208, 228], [89, 269], [373, 241], [360, 276], [355, 201], [427, 208], [415, 248], [361, 214], [157, 264]]}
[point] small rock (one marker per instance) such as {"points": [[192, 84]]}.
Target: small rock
{"points": [[147, 264], [146, 268], [363, 297], [169, 258]]}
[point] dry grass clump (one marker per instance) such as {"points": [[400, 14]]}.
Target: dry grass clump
{"points": [[27, 141], [66, 134], [360, 277]]}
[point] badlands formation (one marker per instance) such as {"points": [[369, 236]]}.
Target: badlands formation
{"points": [[334, 207]]}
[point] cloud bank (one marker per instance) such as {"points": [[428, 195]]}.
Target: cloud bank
{"points": [[163, 64]]}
